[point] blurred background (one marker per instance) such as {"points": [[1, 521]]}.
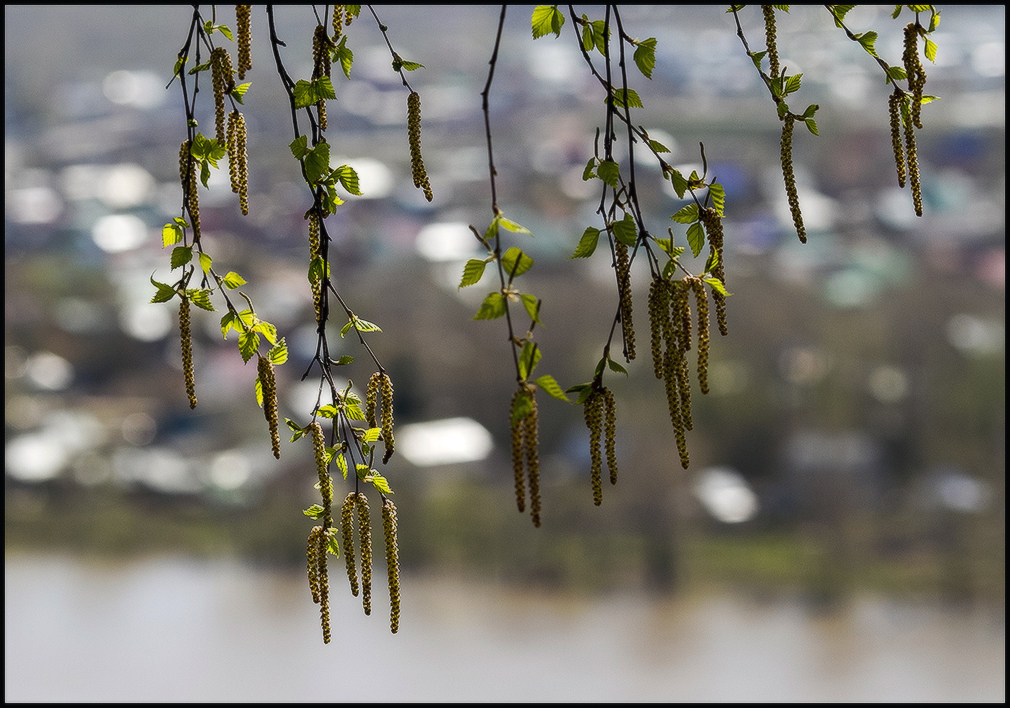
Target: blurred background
{"points": [[840, 533]]}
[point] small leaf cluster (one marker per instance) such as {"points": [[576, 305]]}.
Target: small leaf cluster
{"points": [[317, 172]]}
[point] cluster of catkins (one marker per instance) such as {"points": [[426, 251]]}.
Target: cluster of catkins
{"points": [[788, 123], [320, 543], [525, 437], [600, 412], [671, 329], [904, 110], [381, 385]]}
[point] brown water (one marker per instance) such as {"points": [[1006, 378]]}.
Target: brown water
{"points": [[175, 629]]}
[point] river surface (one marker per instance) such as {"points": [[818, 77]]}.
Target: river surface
{"points": [[178, 629]]}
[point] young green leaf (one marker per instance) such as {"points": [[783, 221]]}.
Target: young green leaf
{"points": [[492, 308], [687, 214], [341, 465], [324, 88], [792, 83], [299, 146], [610, 173], [626, 231], [181, 255], [513, 226], [201, 298], [348, 178], [360, 325], [305, 94], [171, 234], [164, 292], [315, 511], [240, 91], [718, 194], [205, 262], [380, 483], [267, 330], [547, 18], [717, 285], [529, 357], [343, 54], [695, 238], [229, 322], [297, 431], [614, 366], [658, 146], [551, 387], [532, 305], [515, 262], [248, 344], [278, 354], [678, 182], [473, 271], [317, 162], [233, 280], [627, 95], [371, 435], [587, 244], [645, 56]]}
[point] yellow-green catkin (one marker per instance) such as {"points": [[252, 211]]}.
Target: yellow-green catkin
{"points": [[681, 305], [312, 563], [916, 82], [701, 302], [338, 21], [516, 430], [371, 397], [268, 386], [713, 231], [610, 430], [417, 169], [347, 534], [659, 315], [894, 116], [318, 580], [531, 441], [380, 385], [316, 279], [673, 400], [789, 176], [914, 72], [592, 411], [238, 166], [186, 340], [912, 155], [365, 546], [683, 372], [392, 563], [321, 66], [243, 15], [770, 39], [623, 267], [187, 176], [224, 83], [386, 389], [322, 471]]}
